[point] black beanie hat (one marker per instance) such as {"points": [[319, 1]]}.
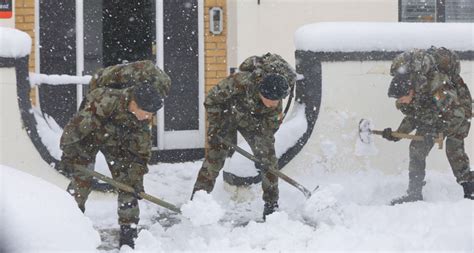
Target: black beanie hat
{"points": [[147, 97], [274, 87]]}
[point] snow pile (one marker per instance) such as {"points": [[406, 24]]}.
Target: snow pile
{"points": [[14, 43], [365, 36], [278, 233], [322, 206], [38, 216], [148, 241], [202, 210], [38, 79], [49, 131]]}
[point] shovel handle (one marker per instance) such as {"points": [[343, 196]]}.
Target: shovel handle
{"points": [[277, 173], [438, 140], [127, 188], [401, 135]]}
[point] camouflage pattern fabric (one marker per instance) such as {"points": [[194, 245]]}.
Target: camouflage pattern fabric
{"points": [[442, 104], [235, 105], [269, 63], [129, 74], [106, 125]]}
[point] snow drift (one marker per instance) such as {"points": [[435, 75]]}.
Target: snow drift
{"points": [[38, 216]]}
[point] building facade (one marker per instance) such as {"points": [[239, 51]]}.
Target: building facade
{"points": [[197, 42]]}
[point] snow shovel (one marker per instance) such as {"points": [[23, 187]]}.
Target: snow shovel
{"points": [[365, 134], [127, 188], [277, 173]]}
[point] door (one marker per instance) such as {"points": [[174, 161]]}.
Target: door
{"points": [[90, 34], [180, 42]]}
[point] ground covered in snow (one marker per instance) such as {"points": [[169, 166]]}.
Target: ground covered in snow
{"points": [[348, 212]]}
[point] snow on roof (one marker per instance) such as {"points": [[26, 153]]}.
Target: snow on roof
{"points": [[14, 43], [365, 36]]}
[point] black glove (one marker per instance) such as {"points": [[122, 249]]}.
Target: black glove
{"points": [[387, 134]]}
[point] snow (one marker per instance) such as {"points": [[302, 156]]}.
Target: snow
{"points": [[202, 210], [49, 131], [383, 36], [37, 216], [38, 79], [14, 43], [349, 211]]}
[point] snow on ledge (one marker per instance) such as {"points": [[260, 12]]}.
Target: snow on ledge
{"points": [[14, 43], [38, 79], [373, 36]]}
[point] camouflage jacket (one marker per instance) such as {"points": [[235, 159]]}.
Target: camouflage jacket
{"points": [[238, 95], [442, 102], [107, 119], [127, 75]]}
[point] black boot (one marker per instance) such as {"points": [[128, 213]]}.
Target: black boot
{"points": [[269, 208], [205, 181], [414, 193], [82, 208], [128, 234], [468, 188]]}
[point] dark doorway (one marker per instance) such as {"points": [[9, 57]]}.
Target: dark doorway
{"points": [[128, 31], [58, 56], [181, 62]]}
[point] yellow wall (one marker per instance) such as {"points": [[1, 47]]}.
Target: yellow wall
{"points": [[215, 47], [25, 21]]}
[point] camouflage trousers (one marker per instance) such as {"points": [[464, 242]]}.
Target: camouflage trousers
{"points": [[123, 166], [261, 141], [455, 153]]}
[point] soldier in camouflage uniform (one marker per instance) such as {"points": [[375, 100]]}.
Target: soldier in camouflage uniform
{"points": [[434, 98], [115, 119], [249, 102]]}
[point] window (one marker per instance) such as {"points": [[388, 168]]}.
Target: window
{"points": [[460, 11], [418, 10], [436, 10]]}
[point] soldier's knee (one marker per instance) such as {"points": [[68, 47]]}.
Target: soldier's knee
{"points": [[137, 171]]}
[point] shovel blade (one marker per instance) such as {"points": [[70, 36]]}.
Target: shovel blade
{"points": [[365, 133]]}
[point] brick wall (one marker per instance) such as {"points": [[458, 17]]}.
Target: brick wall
{"points": [[25, 21], [215, 46]]}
